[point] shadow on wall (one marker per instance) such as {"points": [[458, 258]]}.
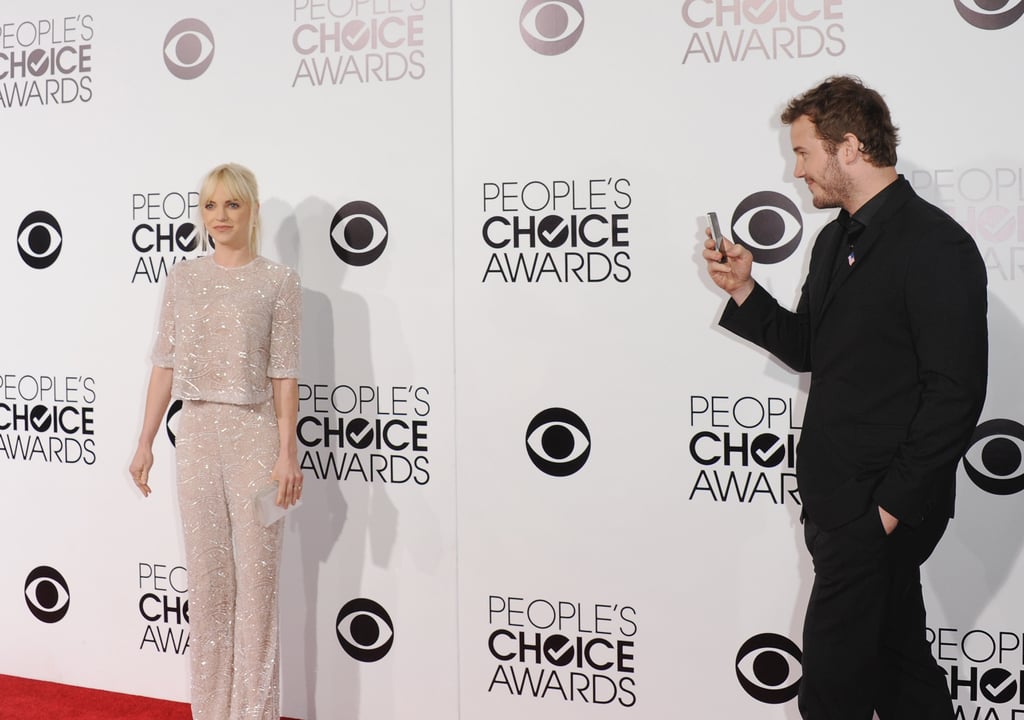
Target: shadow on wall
{"points": [[318, 563], [973, 563]]}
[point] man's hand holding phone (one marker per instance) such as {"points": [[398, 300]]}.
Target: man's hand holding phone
{"points": [[729, 264], [715, 233]]}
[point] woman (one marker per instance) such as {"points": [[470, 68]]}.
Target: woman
{"points": [[228, 347]]}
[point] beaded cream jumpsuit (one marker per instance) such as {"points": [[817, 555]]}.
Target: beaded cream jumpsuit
{"points": [[226, 332]]}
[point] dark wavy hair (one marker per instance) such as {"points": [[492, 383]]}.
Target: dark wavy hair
{"points": [[841, 105]]}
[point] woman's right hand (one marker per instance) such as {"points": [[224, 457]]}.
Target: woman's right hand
{"points": [[158, 396], [139, 468]]}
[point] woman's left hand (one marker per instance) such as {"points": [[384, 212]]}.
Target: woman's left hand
{"points": [[289, 481]]}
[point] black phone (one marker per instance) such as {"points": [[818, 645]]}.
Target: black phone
{"points": [[716, 235]]}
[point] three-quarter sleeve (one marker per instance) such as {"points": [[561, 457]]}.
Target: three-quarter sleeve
{"points": [[285, 329], [163, 348]]}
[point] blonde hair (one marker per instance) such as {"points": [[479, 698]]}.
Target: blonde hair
{"points": [[240, 184]]}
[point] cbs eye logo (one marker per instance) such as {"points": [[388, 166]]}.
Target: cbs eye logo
{"points": [[551, 27], [990, 14], [769, 225], [170, 422], [768, 668], [188, 49], [39, 239], [558, 442], [994, 460], [359, 233], [47, 594], [365, 630]]}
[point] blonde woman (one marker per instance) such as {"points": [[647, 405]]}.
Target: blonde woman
{"points": [[228, 346]]}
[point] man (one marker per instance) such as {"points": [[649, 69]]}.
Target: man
{"points": [[891, 325]]}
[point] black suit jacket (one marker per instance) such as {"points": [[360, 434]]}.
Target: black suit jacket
{"points": [[897, 347]]}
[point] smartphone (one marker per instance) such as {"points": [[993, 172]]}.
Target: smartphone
{"points": [[716, 235]]}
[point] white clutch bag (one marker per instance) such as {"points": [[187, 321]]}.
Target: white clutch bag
{"points": [[268, 511]]}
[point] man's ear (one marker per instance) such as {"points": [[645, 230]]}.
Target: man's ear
{"points": [[850, 147]]}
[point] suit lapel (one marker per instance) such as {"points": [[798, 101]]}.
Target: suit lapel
{"points": [[829, 239]]}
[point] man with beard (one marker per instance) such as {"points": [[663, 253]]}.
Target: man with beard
{"points": [[891, 324]]}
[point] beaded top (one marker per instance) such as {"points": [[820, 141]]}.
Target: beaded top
{"points": [[227, 331]]}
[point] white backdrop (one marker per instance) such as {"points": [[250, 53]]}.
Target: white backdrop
{"points": [[540, 480]]}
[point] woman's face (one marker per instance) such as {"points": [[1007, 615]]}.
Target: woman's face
{"points": [[227, 219]]}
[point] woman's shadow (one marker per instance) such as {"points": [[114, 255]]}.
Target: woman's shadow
{"points": [[313, 531]]}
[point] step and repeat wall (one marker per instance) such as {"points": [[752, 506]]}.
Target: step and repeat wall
{"points": [[540, 481]]}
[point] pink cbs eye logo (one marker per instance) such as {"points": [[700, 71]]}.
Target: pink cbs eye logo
{"points": [[551, 27], [188, 49], [990, 14]]}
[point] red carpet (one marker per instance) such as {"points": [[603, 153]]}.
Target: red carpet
{"points": [[22, 699]]}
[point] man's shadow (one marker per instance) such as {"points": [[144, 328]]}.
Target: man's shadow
{"points": [[972, 564], [974, 560]]}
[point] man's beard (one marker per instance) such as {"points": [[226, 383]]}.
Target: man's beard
{"points": [[834, 186]]}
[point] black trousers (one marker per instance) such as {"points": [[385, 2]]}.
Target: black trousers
{"points": [[864, 645]]}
